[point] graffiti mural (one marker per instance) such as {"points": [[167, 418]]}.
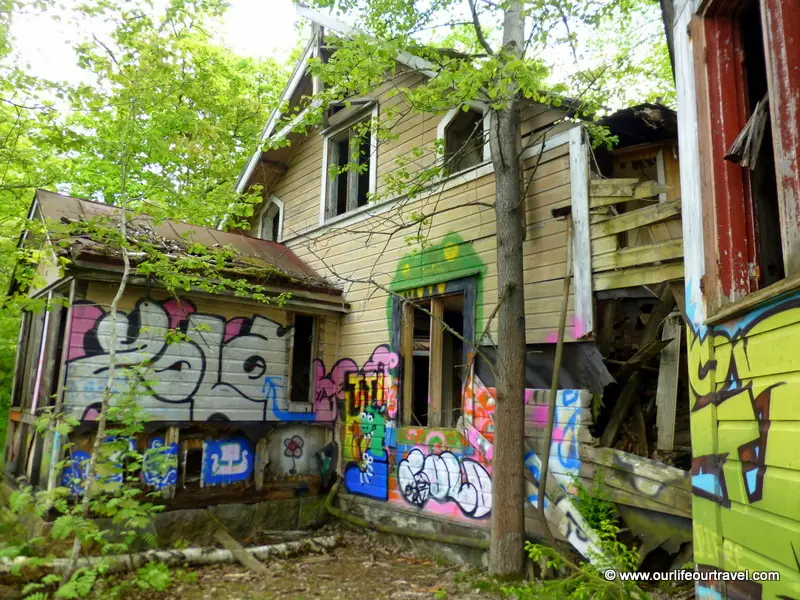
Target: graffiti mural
{"points": [[445, 477], [198, 366], [227, 461], [744, 414], [74, 472], [160, 464]]}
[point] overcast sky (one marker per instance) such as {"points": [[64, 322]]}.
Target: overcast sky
{"points": [[257, 28]]}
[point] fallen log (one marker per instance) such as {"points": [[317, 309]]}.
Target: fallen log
{"points": [[24, 568]]}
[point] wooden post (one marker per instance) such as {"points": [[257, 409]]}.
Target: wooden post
{"points": [[667, 392], [436, 375], [407, 352], [262, 460], [172, 438]]}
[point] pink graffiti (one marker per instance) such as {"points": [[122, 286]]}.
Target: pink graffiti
{"points": [[84, 317], [178, 310], [234, 327], [577, 329]]}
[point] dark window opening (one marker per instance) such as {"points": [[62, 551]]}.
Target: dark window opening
{"points": [[436, 362], [464, 141], [192, 461], [302, 355], [349, 157], [763, 182]]}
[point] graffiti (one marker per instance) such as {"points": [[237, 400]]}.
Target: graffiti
{"points": [[744, 411], [326, 459], [226, 461], [74, 473], [160, 464], [230, 370], [294, 450], [445, 477]]}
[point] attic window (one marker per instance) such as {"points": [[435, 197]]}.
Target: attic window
{"points": [[270, 220], [349, 161], [463, 134]]}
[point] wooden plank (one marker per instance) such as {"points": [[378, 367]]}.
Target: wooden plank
{"points": [[407, 352], [636, 218], [262, 459], [172, 437], [644, 354], [601, 201], [436, 372], [605, 342], [620, 410], [618, 186], [634, 276], [640, 466], [667, 391], [581, 244], [638, 255], [243, 556], [609, 195]]}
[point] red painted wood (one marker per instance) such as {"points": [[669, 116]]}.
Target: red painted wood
{"points": [[735, 228], [781, 23]]}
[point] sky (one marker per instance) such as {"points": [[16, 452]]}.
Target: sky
{"points": [[254, 28]]}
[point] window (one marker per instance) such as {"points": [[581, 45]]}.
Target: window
{"points": [[350, 174], [463, 134], [752, 102], [303, 343], [433, 358], [270, 220]]}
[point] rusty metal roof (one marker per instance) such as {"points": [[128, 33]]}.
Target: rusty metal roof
{"points": [[272, 255]]}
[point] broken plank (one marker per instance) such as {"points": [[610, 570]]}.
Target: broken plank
{"points": [[635, 276], [620, 411], [673, 501], [243, 556], [644, 354], [638, 255], [667, 390], [644, 190], [644, 468], [636, 218], [607, 187]]}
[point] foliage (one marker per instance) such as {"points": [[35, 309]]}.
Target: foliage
{"points": [[595, 506]]}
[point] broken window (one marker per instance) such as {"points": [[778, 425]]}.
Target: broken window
{"points": [[303, 342], [350, 169], [270, 224], [463, 141], [433, 360], [757, 222]]}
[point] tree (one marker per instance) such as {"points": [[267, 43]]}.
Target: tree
{"points": [[496, 53]]}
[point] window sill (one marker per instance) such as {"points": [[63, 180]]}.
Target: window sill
{"points": [[754, 300]]}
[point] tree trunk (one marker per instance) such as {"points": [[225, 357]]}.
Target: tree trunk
{"points": [[506, 558]]}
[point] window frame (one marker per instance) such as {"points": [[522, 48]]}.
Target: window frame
{"points": [[722, 113], [369, 112], [449, 117], [272, 201], [400, 313], [305, 405]]}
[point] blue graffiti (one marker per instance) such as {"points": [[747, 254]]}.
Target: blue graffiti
{"points": [[160, 464], [75, 472], [270, 390], [534, 467], [227, 461], [572, 459], [370, 478]]}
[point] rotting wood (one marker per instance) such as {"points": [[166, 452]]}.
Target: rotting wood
{"points": [[614, 194], [679, 292], [620, 411], [638, 255], [245, 558], [636, 218], [638, 428], [643, 467], [436, 375], [407, 353], [667, 391], [644, 354], [262, 460], [23, 568], [636, 276], [606, 338]]}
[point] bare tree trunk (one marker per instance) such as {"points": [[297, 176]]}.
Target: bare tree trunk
{"points": [[506, 558]]}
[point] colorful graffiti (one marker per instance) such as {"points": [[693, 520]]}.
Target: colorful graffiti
{"points": [[445, 477], [227, 461], [744, 413], [293, 448], [160, 464], [74, 472], [217, 369]]}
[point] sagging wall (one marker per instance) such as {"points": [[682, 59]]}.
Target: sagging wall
{"points": [[745, 380], [214, 389]]}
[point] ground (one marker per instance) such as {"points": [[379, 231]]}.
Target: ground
{"points": [[360, 568]]}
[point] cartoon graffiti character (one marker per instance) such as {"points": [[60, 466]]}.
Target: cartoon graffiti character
{"points": [[369, 476]]}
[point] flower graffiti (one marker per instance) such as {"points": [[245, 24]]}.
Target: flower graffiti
{"points": [[294, 450]]}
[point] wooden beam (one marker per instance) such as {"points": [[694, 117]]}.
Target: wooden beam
{"points": [[636, 218], [638, 255], [274, 165], [667, 391], [436, 375], [620, 411], [262, 459], [608, 195], [644, 354], [606, 339], [407, 355], [172, 437], [227, 541], [581, 244], [636, 276]]}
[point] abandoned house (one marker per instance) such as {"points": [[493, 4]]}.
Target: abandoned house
{"points": [[736, 67], [263, 401]]}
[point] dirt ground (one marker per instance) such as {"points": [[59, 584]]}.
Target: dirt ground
{"points": [[360, 568]]}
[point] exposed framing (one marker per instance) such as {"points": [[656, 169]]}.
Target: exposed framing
{"points": [[581, 236]]}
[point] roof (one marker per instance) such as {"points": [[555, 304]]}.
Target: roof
{"points": [[260, 258], [642, 124]]}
